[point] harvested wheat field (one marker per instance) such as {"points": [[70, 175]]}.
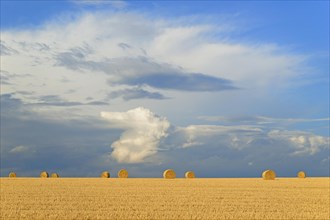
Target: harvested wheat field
{"points": [[133, 198]]}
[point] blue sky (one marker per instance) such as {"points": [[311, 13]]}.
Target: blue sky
{"points": [[88, 86]]}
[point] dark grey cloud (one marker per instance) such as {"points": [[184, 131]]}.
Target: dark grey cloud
{"points": [[8, 102], [68, 104], [50, 98], [213, 151], [183, 82], [139, 71], [34, 143], [73, 148], [26, 93], [76, 143], [55, 100], [135, 93], [264, 121], [74, 58], [31, 143]]}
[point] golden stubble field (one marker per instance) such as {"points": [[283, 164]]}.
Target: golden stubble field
{"points": [[135, 198]]}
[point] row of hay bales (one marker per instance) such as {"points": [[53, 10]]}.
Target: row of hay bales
{"points": [[121, 174], [43, 174], [271, 175], [168, 174]]}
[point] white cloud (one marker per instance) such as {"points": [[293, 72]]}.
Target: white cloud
{"points": [[134, 49], [143, 132], [302, 142], [19, 149]]}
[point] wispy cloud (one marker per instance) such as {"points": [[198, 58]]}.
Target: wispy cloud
{"points": [[135, 93], [5, 50], [261, 119], [114, 3], [19, 149]]}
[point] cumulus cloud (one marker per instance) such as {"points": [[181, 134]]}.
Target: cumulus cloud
{"points": [[143, 133]]}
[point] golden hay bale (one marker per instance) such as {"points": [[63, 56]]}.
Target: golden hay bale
{"points": [[44, 174], [189, 174], [122, 173], [301, 174], [54, 175], [105, 174], [12, 175], [169, 174], [268, 175]]}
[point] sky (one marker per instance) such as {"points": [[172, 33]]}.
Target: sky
{"points": [[223, 88]]}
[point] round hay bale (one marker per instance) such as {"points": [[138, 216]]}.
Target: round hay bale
{"points": [[268, 175], [44, 174], [169, 174], [54, 175], [301, 174], [189, 174], [122, 173], [12, 175], [105, 174]]}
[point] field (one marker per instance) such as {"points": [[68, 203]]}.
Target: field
{"points": [[99, 198]]}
